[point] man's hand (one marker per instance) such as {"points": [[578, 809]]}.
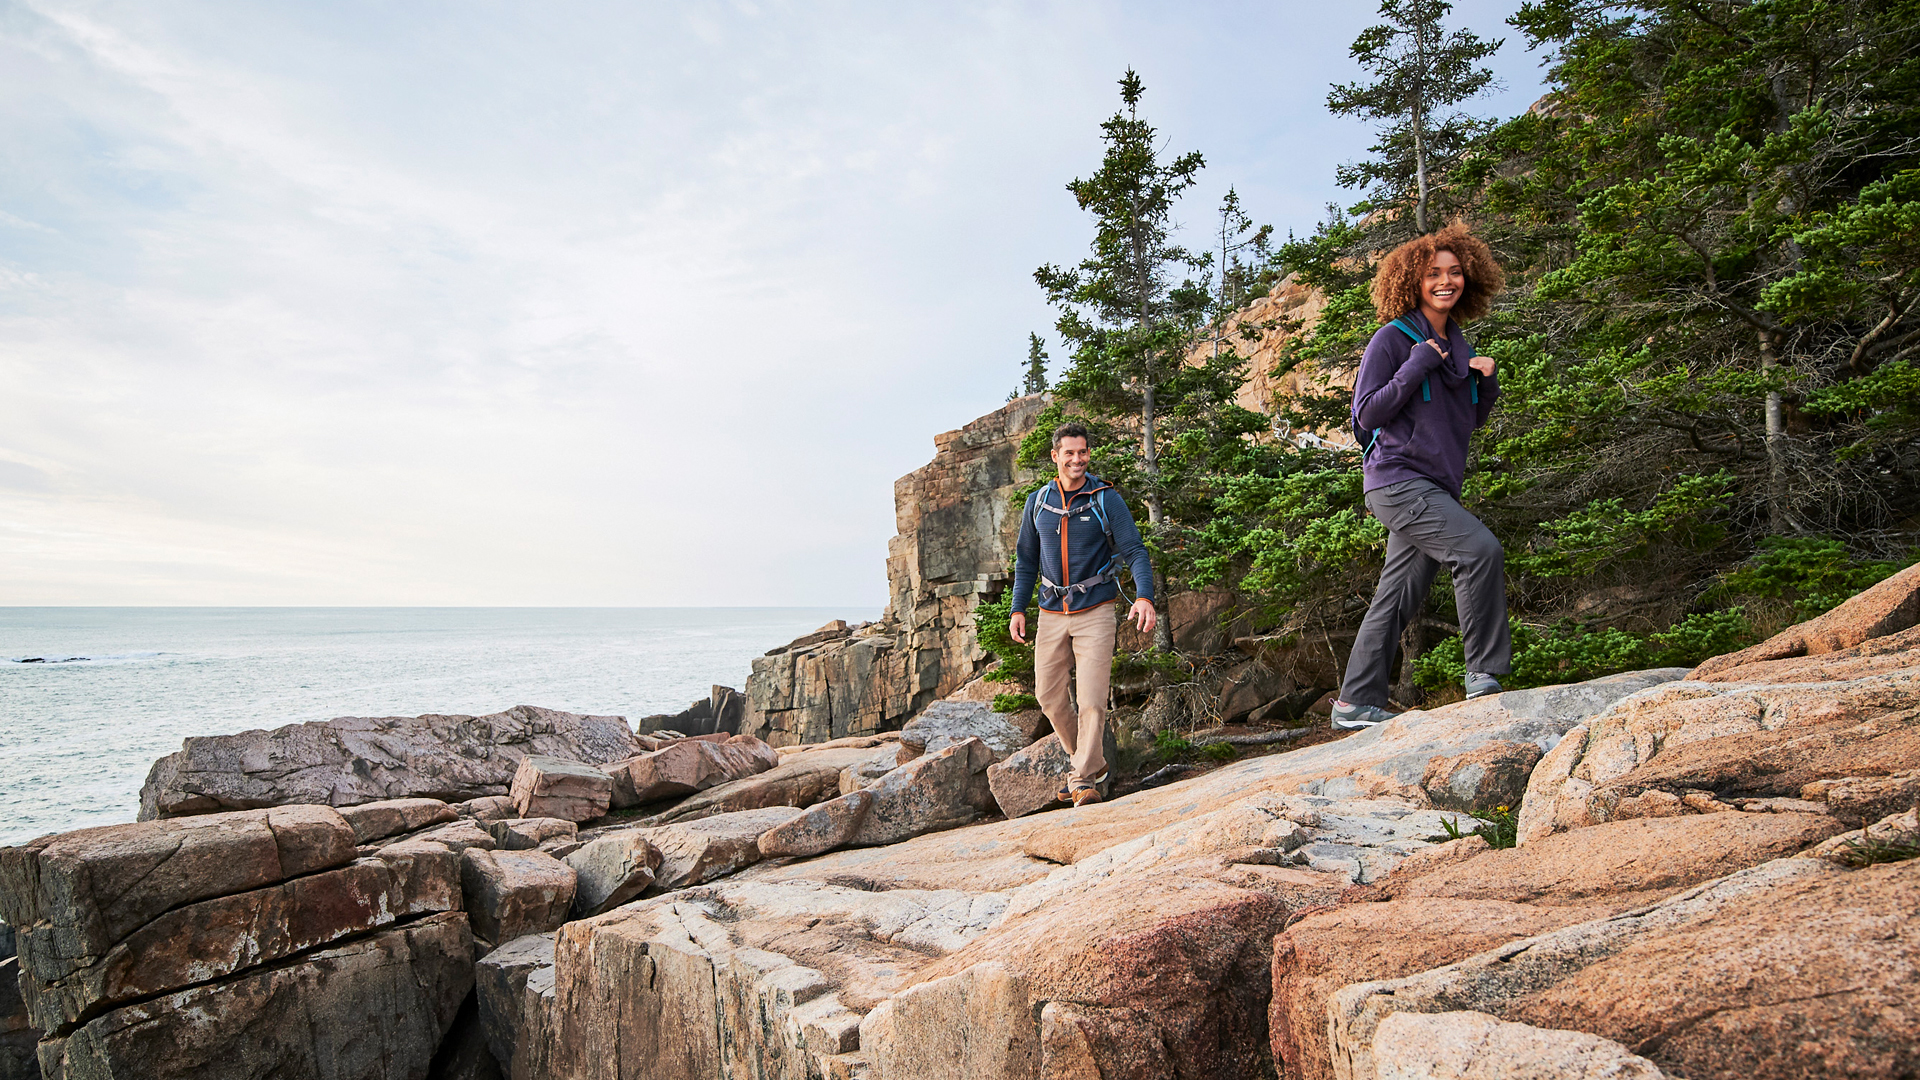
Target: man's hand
{"points": [[1482, 364], [1143, 615], [1017, 626]]}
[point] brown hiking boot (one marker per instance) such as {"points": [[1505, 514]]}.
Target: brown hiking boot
{"points": [[1085, 796]]}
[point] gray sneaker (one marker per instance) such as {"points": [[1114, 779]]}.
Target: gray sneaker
{"points": [[1480, 684], [1354, 717]]}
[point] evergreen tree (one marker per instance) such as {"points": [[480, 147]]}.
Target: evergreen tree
{"points": [[1125, 309], [1036, 382], [1420, 71], [1710, 422], [1247, 266]]}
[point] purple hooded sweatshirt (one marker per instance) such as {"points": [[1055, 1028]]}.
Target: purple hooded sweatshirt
{"points": [[1418, 439]]}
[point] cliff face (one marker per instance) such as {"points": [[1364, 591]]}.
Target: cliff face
{"points": [[956, 533]]}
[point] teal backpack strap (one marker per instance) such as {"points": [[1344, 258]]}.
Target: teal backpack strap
{"points": [[1098, 504], [1426, 385]]}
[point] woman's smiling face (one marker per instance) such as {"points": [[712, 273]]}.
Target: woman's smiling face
{"points": [[1444, 281]]}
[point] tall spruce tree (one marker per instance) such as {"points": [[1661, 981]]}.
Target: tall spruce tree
{"points": [[1419, 71], [1036, 380], [1128, 311]]}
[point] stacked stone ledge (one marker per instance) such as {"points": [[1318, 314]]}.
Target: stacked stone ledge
{"points": [[167, 948]]}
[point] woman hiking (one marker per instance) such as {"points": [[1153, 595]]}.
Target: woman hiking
{"points": [[1419, 396]]}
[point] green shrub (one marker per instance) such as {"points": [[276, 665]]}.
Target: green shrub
{"points": [[1815, 573], [1014, 702], [1568, 652], [1133, 665], [990, 623], [1220, 751], [1169, 746]]}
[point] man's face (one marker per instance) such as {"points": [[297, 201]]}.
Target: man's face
{"points": [[1071, 458]]}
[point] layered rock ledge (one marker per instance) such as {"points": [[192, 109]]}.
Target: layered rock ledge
{"points": [[1715, 877]]}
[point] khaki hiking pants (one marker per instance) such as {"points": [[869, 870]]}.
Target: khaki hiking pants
{"points": [[1080, 643]]}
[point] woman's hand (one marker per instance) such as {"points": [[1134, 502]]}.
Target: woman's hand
{"points": [[1017, 626], [1482, 364]]}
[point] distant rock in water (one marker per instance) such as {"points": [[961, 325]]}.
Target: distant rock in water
{"points": [[49, 659], [355, 760]]}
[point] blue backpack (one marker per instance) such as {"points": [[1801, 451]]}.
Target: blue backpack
{"points": [[1097, 503], [1367, 438]]}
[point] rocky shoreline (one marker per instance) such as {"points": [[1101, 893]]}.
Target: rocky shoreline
{"points": [[855, 870]]}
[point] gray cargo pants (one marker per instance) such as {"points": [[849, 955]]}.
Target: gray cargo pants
{"points": [[1426, 529]]}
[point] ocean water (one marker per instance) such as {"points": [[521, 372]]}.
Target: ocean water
{"points": [[89, 697]]}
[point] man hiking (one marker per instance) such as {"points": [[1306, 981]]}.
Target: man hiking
{"points": [[1074, 534], [1419, 396]]}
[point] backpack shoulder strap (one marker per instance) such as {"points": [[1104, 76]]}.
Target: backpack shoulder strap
{"points": [[1426, 384]]}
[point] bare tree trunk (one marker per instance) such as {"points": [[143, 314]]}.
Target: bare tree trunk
{"points": [[1150, 454], [1420, 123], [1420, 168], [1779, 518], [1413, 646]]}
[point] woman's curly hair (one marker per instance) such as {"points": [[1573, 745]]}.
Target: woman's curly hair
{"points": [[1396, 284]]}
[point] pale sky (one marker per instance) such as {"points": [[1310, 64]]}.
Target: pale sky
{"points": [[566, 303]]}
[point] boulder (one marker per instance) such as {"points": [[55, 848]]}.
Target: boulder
{"points": [[685, 766], [551, 787], [1490, 778], [391, 817], [1248, 687], [742, 978], [376, 1007], [512, 893], [610, 871], [1874, 656], [1690, 747], [426, 875], [514, 984], [458, 837], [1866, 798], [801, 779], [1203, 620], [487, 808], [937, 791], [692, 852], [215, 938], [77, 894], [1620, 864], [1475, 1046], [861, 774], [928, 1030], [1029, 780], [525, 834], [1887, 608], [1794, 967], [1325, 951], [945, 723], [359, 760]]}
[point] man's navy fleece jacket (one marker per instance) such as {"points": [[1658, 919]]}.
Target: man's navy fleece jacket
{"points": [[1418, 439], [1046, 538]]}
